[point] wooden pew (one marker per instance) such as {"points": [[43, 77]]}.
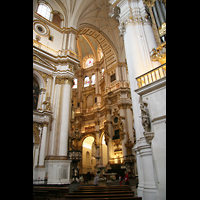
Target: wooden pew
{"points": [[49, 192], [106, 198], [105, 188], [77, 192], [72, 196]]}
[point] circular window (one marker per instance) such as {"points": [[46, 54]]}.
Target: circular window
{"points": [[40, 28]]}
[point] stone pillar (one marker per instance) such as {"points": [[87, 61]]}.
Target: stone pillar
{"points": [[64, 116], [52, 90], [138, 62], [97, 80], [43, 144], [110, 153], [123, 114], [147, 183]]}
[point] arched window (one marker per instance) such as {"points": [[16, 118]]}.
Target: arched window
{"points": [[35, 93], [93, 80], [89, 62], [56, 19], [86, 81], [44, 11], [75, 83]]}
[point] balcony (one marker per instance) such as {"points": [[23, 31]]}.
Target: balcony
{"points": [[53, 52], [151, 76]]}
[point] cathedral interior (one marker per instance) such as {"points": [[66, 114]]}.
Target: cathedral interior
{"points": [[99, 88]]}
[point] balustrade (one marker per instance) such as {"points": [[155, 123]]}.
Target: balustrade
{"points": [[151, 76]]}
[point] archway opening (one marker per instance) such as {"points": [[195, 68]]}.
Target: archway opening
{"points": [[88, 161]]}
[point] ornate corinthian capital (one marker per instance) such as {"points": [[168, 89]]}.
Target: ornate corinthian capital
{"points": [[149, 2], [122, 29], [63, 80], [131, 13]]}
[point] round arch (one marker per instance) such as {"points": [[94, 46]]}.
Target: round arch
{"points": [[85, 136], [109, 51], [39, 79]]}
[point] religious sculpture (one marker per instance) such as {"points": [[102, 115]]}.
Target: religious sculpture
{"points": [[145, 116]]}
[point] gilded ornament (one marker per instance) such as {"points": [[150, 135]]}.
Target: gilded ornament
{"points": [[129, 146]]}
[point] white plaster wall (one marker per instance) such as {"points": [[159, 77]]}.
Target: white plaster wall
{"points": [[157, 107], [157, 102], [86, 167], [57, 40], [159, 156]]}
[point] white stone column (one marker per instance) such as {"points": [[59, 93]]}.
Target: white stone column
{"points": [[123, 114], [43, 144], [35, 157], [97, 81], [147, 188], [65, 117], [138, 62], [52, 90]]}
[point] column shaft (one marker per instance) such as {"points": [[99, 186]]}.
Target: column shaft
{"points": [[43, 145], [65, 119]]}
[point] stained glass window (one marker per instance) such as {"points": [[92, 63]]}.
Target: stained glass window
{"points": [[102, 73], [89, 62], [93, 80], [86, 81], [75, 83], [44, 10]]}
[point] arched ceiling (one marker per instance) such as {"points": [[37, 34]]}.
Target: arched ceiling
{"points": [[96, 13], [86, 45]]}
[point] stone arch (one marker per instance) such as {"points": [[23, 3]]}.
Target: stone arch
{"points": [[39, 79], [109, 51], [88, 135]]}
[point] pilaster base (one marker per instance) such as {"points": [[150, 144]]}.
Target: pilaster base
{"points": [[147, 184], [58, 171], [39, 173]]}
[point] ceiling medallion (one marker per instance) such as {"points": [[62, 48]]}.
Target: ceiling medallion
{"points": [[41, 28]]}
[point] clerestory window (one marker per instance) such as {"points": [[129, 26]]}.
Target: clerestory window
{"points": [[44, 11]]}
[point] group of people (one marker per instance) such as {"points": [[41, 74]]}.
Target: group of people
{"points": [[126, 179]]}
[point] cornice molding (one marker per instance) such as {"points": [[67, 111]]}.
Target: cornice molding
{"points": [[151, 86], [54, 26]]}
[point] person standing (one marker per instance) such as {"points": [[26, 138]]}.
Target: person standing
{"points": [[126, 179], [120, 180], [96, 180]]}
